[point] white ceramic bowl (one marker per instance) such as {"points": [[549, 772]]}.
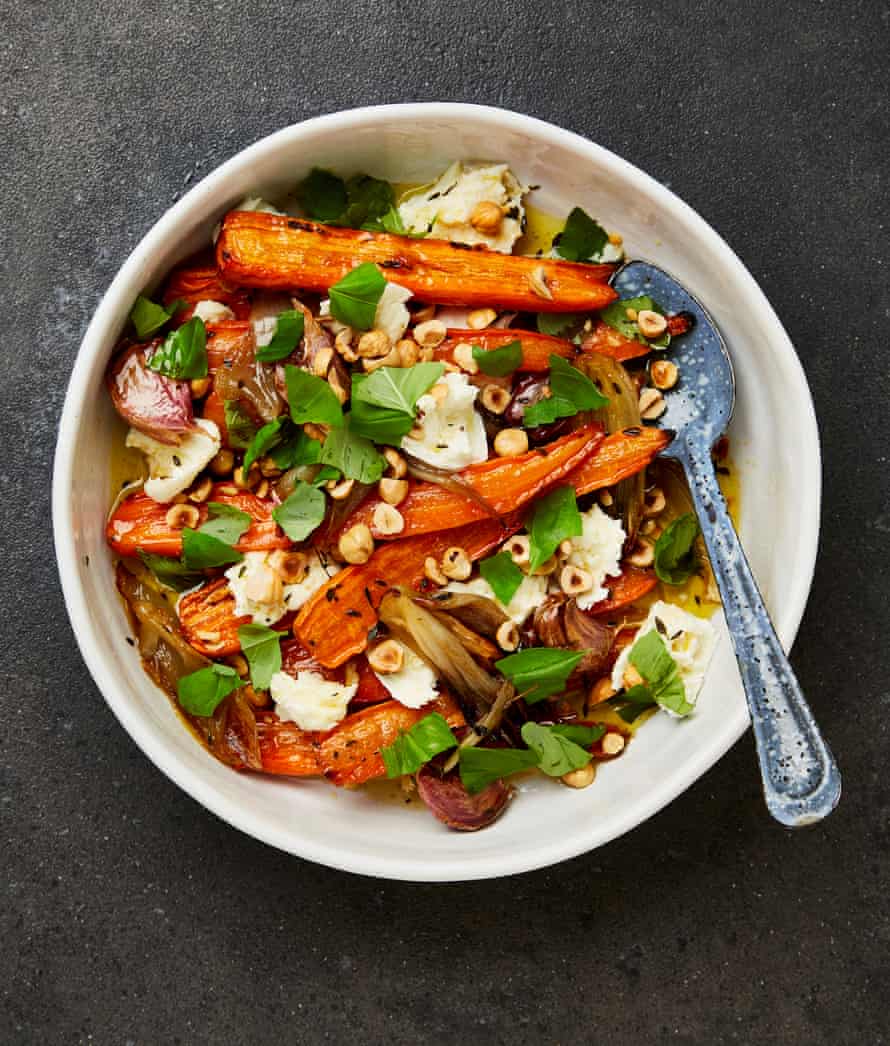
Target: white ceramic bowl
{"points": [[775, 444]]}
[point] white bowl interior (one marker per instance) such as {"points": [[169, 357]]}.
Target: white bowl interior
{"points": [[775, 444]]}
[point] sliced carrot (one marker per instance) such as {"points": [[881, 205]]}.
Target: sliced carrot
{"points": [[631, 584], [139, 524], [536, 348], [505, 483], [334, 624], [606, 341], [371, 690], [282, 253], [208, 621], [223, 339], [287, 750], [620, 455], [199, 280], [215, 410]]}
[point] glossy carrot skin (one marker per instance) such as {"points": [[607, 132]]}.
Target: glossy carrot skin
{"points": [[606, 341], [631, 584], [536, 348], [281, 253], [200, 280], [506, 484], [223, 339], [620, 455], [208, 621], [139, 523], [333, 625]]}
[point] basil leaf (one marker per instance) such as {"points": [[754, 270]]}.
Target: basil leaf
{"points": [[480, 767], [322, 195], [184, 352], [201, 692], [354, 298], [240, 427], [651, 658], [384, 404], [301, 513], [675, 559], [148, 318], [226, 522], [503, 575], [581, 733], [572, 391], [202, 551], [557, 324], [582, 239], [171, 572], [288, 331], [311, 398], [369, 200], [262, 648], [499, 362], [556, 753], [539, 672], [269, 436], [414, 747], [636, 701], [555, 518], [354, 455], [616, 316], [296, 449], [324, 475]]}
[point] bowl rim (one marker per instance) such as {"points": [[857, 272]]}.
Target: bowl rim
{"points": [[336, 853]]}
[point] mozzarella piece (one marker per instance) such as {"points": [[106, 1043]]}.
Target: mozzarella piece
{"points": [[256, 203], [690, 641], [529, 595], [598, 551], [453, 433], [213, 311], [301, 592], [392, 317], [172, 467], [415, 683], [264, 330], [259, 593], [444, 208], [310, 700]]}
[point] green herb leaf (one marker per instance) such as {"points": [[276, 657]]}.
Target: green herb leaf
{"points": [[354, 455], [269, 436], [581, 733], [354, 298], [301, 513], [675, 559], [414, 747], [384, 404], [582, 239], [322, 195], [558, 324], [616, 316], [225, 522], [262, 648], [296, 449], [311, 398], [556, 753], [184, 352], [369, 200], [501, 572], [201, 551], [201, 692], [239, 425], [171, 572], [499, 362], [480, 767], [634, 702], [148, 318], [324, 475], [539, 672], [555, 518], [651, 658], [288, 331], [572, 391]]}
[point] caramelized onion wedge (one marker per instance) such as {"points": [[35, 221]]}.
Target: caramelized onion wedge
{"points": [[453, 805], [157, 406], [560, 622], [480, 614]]}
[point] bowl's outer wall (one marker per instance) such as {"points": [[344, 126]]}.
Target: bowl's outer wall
{"points": [[775, 445]]}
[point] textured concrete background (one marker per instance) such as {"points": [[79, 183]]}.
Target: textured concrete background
{"points": [[132, 916]]}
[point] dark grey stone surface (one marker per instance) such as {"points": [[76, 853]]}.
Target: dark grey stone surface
{"points": [[131, 915]]}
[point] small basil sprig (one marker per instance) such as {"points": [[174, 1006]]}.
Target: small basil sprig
{"points": [[148, 317], [539, 672], [311, 399], [555, 518], [558, 324], [354, 298], [501, 572], [571, 392], [616, 316], [211, 544], [262, 648], [675, 559], [239, 425], [663, 685], [288, 331], [480, 767], [183, 356], [414, 747], [582, 239], [201, 692], [171, 572], [353, 455], [301, 512], [498, 363], [384, 404]]}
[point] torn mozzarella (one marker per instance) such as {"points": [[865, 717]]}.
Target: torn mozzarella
{"points": [[452, 430], [530, 594], [414, 685], [261, 596], [392, 317], [310, 700], [173, 467], [598, 551], [213, 312]]}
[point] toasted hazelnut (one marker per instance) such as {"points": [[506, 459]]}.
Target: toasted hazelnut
{"points": [[663, 374], [398, 467], [430, 333], [463, 357], [613, 743], [391, 359], [428, 354], [456, 564], [409, 352], [179, 516], [322, 361], [507, 636], [580, 778], [509, 442], [291, 567], [652, 404], [343, 345], [222, 462], [262, 488], [388, 520], [248, 482], [651, 324], [537, 280], [356, 544], [654, 502], [519, 549], [601, 691], [432, 572], [263, 585], [573, 580], [268, 468], [495, 398], [606, 499], [547, 567], [200, 387], [566, 547], [642, 554], [373, 344], [487, 217], [631, 678], [314, 431], [239, 663], [200, 491], [480, 318], [393, 491], [339, 489], [387, 657]]}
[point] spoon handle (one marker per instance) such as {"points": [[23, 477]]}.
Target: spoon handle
{"points": [[801, 781]]}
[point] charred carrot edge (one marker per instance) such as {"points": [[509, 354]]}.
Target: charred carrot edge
{"points": [[208, 621], [140, 523], [606, 341], [631, 584], [620, 455], [333, 625], [536, 348], [282, 253], [505, 483], [200, 280]]}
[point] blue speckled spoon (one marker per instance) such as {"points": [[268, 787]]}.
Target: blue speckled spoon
{"points": [[801, 781]]}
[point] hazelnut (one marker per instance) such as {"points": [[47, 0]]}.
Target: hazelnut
{"points": [[339, 489], [486, 217], [432, 572], [654, 503], [510, 442], [263, 585], [642, 554], [387, 657], [200, 491], [373, 344], [430, 333], [651, 324], [393, 491], [613, 743], [580, 778], [663, 374], [463, 357], [547, 567], [200, 387], [409, 352], [291, 567], [387, 520], [480, 318], [601, 691], [179, 516], [356, 544], [573, 581], [398, 467], [652, 404], [507, 636], [456, 564], [519, 549], [495, 398], [537, 280], [222, 463], [631, 314], [391, 359]]}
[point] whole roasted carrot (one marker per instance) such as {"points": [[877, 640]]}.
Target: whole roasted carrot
{"points": [[536, 348], [505, 483], [281, 253], [606, 341]]}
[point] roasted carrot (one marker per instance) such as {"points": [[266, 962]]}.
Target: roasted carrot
{"points": [[333, 625], [536, 348], [287, 750], [281, 253], [208, 621], [199, 280], [223, 339], [215, 410], [140, 524], [620, 455], [505, 483], [606, 341], [631, 584]]}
